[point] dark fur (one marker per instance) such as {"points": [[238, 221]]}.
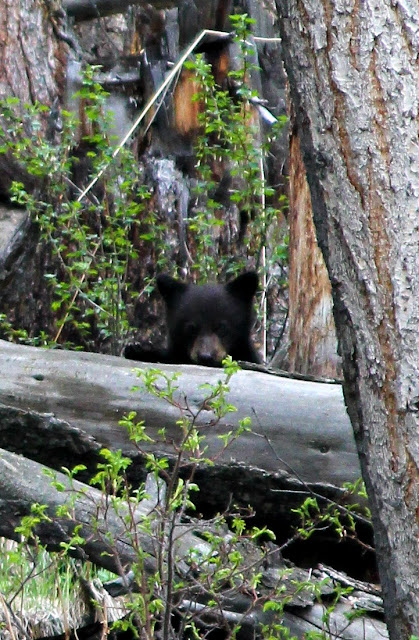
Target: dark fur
{"points": [[205, 323]]}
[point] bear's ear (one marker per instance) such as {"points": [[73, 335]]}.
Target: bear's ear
{"points": [[170, 288], [244, 286]]}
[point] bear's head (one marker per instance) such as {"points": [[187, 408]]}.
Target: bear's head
{"points": [[208, 322]]}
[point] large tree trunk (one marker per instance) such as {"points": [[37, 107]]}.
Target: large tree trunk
{"points": [[33, 61], [354, 81]]}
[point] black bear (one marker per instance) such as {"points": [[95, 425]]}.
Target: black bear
{"points": [[205, 323]]}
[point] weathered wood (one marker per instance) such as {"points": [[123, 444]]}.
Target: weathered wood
{"points": [[354, 81], [13, 228], [108, 544], [299, 426], [313, 619], [23, 483], [60, 408], [312, 335]]}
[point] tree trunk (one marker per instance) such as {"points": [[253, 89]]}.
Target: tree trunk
{"points": [[354, 81], [86, 9], [32, 68], [33, 60], [32, 64]]}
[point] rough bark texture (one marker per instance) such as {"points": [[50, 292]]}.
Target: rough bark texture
{"points": [[312, 335], [32, 61], [354, 81], [32, 64], [32, 69]]}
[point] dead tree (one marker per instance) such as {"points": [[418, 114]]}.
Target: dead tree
{"points": [[60, 407], [312, 335], [353, 77]]}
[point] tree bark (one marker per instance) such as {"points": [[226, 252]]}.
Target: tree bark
{"points": [[354, 81], [32, 59], [32, 66], [32, 69]]}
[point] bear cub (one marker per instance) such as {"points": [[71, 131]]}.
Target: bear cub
{"points": [[205, 323]]}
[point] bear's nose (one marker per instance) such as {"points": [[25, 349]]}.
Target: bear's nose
{"points": [[208, 360]]}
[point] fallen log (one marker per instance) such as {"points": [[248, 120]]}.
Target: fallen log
{"points": [[61, 407], [299, 426]]}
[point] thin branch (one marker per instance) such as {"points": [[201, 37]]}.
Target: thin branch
{"points": [[263, 260]]}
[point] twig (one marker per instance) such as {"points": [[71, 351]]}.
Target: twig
{"points": [[73, 299], [8, 611], [262, 39], [263, 259], [7, 616]]}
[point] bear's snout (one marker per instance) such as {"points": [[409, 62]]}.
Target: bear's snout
{"points": [[208, 350]]}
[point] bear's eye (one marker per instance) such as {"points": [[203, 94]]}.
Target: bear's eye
{"points": [[191, 328], [222, 328]]}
